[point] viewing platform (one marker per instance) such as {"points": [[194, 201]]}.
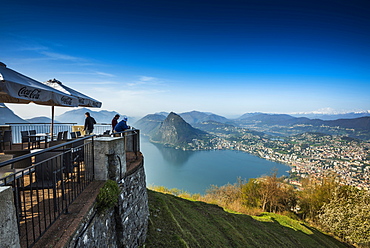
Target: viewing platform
{"points": [[49, 192]]}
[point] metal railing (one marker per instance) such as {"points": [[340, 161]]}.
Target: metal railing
{"points": [[16, 129], [132, 139], [101, 128], [46, 182], [39, 127], [131, 144]]}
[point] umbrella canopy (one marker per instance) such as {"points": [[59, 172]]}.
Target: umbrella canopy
{"points": [[18, 88], [83, 100]]}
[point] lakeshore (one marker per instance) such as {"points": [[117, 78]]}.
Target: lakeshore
{"points": [[196, 171], [308, 154]]}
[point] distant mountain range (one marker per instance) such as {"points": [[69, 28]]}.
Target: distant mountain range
{"points": [[174, 131], [41, 119], [72, 116], [260, 119], [336, 116], [150, 123], [8, 116], [198, 117], [273, 124], [78, 116]]}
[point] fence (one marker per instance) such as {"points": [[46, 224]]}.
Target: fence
{"points": [[45, 128], [132, 139], [46, 182]]}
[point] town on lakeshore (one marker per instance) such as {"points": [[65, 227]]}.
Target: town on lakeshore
{"points": [[308, 154]]}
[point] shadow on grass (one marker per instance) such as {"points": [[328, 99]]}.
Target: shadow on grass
{"points": [[176, 222]]}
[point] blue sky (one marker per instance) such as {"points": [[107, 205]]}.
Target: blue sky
{"points": [[226, 57]]}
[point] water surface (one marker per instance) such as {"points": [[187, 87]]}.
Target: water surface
{"points": [[195, 171]]}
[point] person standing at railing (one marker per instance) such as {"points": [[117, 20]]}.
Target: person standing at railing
{"points": [[122, 125], [115, 121], [89, 124]]}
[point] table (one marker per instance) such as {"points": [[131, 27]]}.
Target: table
{"points": [[38, 137]]}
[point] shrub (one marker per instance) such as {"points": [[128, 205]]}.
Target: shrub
{"points": [[108, 196]]}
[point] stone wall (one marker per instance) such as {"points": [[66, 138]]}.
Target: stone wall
{"points": [[9, 236], [121, 226]]}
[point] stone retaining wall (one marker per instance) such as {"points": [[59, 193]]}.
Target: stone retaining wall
{"points": [[121, 226]]}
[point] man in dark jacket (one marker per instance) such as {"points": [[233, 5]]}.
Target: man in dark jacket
{"points": [[89, 124]]}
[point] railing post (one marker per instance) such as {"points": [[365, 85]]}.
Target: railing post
{"points": [[138, 139], [93, 157]]}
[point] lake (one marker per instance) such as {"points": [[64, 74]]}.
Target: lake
{"points": [[195, 171]]}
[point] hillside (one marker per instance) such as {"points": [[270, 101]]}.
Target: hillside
{"points": [[361, 123], [327, 116], [176, 222], [194, 117], [8, 116], [150, 123], [78, 116], [41, 119], [174, 131], [286, 125]]}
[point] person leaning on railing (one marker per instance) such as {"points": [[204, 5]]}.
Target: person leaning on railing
{"points": [[122, 125], [115, 121]]}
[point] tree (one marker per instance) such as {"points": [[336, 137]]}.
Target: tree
{"points": [[251, 193], [347, 215], [315, 194], [269, 193]]}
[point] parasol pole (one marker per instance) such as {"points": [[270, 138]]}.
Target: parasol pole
{"points": [[52, 123]]}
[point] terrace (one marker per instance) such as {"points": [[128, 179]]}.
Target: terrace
{"points": [[45, 182]]}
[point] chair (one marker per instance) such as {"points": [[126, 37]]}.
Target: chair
{"points": [[60, 136], [73, 135], [65, 135], [78, 133], [7, 137], [33, 140], [1, 140], [25, 138], [49, 171]]}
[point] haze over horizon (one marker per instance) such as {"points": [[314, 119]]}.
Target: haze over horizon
{"points": [[224, 57]]}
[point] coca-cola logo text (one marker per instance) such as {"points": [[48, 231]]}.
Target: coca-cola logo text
{"points": [[29, 93], [66, 100]]}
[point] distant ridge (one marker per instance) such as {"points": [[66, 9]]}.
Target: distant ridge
{"points": [[174, 131], [8, 116], [194, 117], [41, 119], [332, 116], [78, 116], [361, 123], [150, 123]]}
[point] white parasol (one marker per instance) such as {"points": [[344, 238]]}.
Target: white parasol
{"points": [[83, 100], [18, 88]]}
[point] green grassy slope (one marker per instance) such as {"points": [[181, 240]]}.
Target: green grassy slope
{"points": [[176, 222]]}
